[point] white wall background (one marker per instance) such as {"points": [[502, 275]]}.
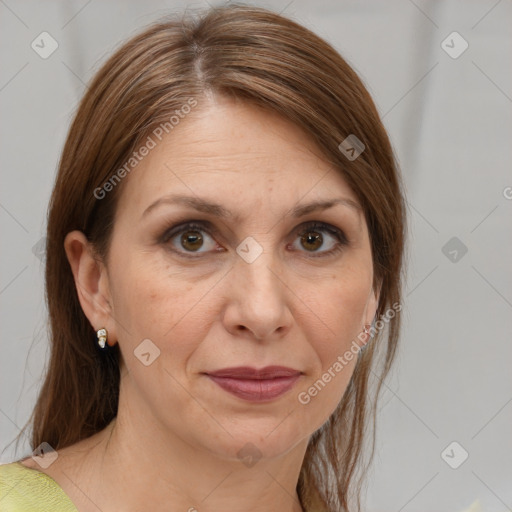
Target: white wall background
{"points": [[450, 120]]}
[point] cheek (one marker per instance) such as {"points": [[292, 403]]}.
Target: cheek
{"points": [[341, 306], [153, 301]]}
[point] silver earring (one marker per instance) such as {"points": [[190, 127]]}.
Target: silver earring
{"points": [[102, 337]]}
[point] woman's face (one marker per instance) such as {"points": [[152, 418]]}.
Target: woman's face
{"points": [[258, 280]]}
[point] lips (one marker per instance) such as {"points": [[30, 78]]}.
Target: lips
{"points": [[246, 372], [257, 385]]}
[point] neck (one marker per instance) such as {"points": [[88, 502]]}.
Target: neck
{"points": [[144, 466]]}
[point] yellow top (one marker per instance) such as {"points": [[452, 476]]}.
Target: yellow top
{"points": [[25, 489]]}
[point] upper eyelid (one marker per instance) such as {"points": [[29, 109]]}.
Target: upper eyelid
{"points": [[338, 234], [211, 229]]}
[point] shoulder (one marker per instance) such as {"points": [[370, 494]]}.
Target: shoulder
{"points": [[24, 489]]}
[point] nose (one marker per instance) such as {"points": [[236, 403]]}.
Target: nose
{"points": [[258, 300]]}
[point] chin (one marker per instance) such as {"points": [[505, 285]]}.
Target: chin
{"points": [[258, 440]]}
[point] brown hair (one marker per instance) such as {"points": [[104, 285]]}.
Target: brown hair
{"points": [[257, 56]]}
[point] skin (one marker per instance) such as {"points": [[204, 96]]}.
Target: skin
{"points": [[287, 308]]}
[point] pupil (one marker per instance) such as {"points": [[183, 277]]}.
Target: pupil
{"points": [[193, 241], [310, 238]]}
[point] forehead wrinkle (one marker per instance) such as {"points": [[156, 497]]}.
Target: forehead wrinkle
{"points": [[217, 210]]}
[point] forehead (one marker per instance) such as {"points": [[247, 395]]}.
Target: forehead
{"points": [[237, 155]]}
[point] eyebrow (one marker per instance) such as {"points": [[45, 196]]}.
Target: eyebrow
{"points": [[217, 210]]}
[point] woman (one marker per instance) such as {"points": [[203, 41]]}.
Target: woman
{"points": [[225, 234]]}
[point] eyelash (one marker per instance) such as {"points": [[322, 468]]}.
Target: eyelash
{"points": [[314, 226]]}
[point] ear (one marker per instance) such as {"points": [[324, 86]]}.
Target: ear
{"points": [[91, 281]]}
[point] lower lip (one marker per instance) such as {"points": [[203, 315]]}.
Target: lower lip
{"points": [[261, 390]]}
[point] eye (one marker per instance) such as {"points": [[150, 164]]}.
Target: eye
{"points": [[312, 239], [195, 238], [192, 237]]}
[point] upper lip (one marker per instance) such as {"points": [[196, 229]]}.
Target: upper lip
{"points": [[247, 372]]}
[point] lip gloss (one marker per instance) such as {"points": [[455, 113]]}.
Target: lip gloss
{"points": [[256, 390]]}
